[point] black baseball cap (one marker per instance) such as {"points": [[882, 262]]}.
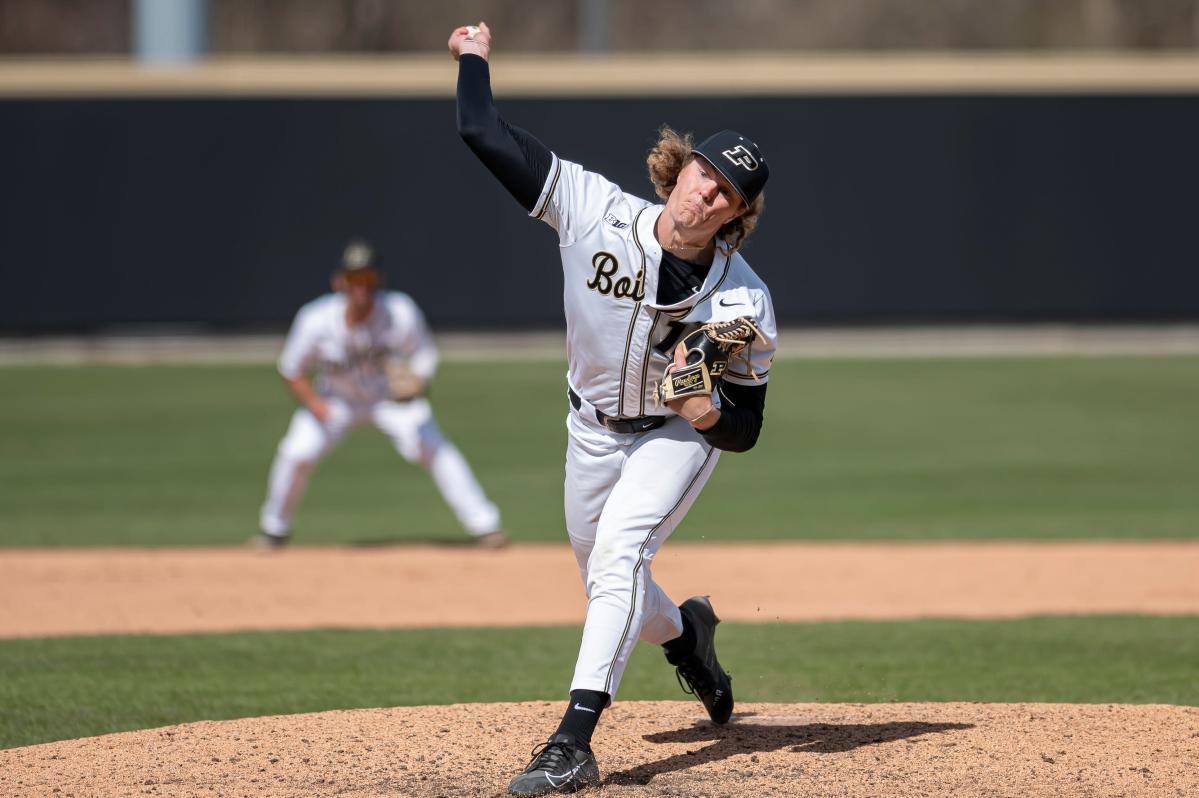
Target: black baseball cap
{"points": [[738, 159]]}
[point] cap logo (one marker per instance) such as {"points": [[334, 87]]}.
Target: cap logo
{"points": [[741, 157]]}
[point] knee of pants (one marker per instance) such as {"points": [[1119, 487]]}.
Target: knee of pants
{"points": [[422, 448], [582, 552], [612, 569], [303, 445], [301, 469], [302, 458]]}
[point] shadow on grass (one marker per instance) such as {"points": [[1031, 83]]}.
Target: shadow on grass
{"points": [[743, 736]]}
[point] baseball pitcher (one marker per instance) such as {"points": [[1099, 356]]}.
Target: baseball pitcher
{"points": [[372, 356], [670, 337]]}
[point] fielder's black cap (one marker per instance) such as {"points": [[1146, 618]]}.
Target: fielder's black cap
{"points": [[738, 159], [358, 255]]}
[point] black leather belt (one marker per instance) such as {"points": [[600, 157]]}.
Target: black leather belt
{"points": [[621, 425]]}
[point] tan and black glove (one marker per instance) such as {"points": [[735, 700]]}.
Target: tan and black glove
{"points": [[403, 383], [707, 351]]}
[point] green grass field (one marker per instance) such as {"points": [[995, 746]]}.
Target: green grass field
{"points": [[1033, 448], [1012, 448], [66, 688]]}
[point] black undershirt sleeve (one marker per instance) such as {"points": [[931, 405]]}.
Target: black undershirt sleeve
{"points": [[514, 156], [741, 409], [522, 163]]}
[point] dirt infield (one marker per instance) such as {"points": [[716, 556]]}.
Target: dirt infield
{"points": [[158, 591], [644, 749]]}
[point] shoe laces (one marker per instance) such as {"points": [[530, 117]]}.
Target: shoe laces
{"points": [[549, 755], [691, 676]]}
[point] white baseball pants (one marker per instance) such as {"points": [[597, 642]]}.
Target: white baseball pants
{"points": [[416, 436], [625, 494]]}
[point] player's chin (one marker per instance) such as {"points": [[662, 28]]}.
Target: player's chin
{"points": [[690, 220]]}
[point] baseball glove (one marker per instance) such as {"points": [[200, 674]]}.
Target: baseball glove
{"points": [[403, 383], [708, 350]]}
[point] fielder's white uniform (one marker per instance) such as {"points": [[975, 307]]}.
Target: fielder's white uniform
{"points": [[349, 362], [626, 493]]}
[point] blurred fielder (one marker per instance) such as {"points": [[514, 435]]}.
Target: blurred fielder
{"points": [[373, 357]]}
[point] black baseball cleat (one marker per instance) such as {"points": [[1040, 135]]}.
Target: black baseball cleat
{"points": [[700, 673], [558, 765]]}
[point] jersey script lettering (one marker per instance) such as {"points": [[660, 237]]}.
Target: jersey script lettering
{"points": [[606, 266]]}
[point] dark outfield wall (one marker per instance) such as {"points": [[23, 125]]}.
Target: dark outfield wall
{"points": [[232, 212]]}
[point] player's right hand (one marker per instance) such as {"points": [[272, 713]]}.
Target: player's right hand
{"points": [[465, 40]]}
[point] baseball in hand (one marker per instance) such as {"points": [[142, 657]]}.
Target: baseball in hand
{"points": [[474, 39]]}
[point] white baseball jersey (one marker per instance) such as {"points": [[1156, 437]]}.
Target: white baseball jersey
{"points": [[619, 341], [349, 360], [349, 364]]}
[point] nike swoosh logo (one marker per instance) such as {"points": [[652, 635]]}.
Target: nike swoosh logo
{"points": [[564, 779], [724, 304], [585, 709]]}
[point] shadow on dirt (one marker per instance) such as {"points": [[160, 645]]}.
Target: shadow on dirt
{"points": [[743, 736]]}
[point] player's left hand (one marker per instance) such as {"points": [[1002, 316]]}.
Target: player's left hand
{"points": [[699, 408]]}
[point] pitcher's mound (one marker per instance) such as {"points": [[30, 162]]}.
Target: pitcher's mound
{"points": [[644, 749]]}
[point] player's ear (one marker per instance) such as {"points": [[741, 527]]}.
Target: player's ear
{"points": [[337, 281]]}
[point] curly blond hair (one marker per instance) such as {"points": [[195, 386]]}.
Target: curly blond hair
{"points": [[666, 160]]}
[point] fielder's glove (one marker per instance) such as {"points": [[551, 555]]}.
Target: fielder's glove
{"points": [[708, 350], [402, 382]]}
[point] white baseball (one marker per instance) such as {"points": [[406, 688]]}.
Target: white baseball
{"points": [[472, 31]]}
